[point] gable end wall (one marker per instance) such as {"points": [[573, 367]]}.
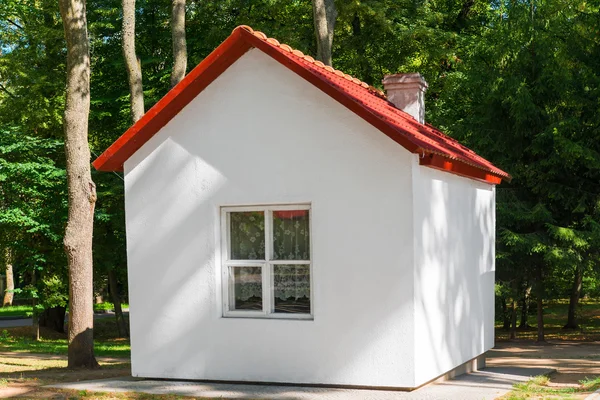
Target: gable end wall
{"points": [[260, 134]]}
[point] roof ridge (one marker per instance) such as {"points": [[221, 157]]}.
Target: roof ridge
{"points": [[307, 58]]}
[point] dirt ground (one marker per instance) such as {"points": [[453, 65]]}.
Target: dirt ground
{"points": [[22, 375], [573, 361]]}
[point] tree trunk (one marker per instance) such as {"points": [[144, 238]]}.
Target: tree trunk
{"points": [[525, 309], [513, 320], [505, 315], [179, 43], [35, 324], [10, 279], [81, 188], [114, 294], [540, 305], [134, 70], [54, 318], [574, 300], [324, 14]]}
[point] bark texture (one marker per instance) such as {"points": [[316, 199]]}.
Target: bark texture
{"points": [[324, 14], [525, 308], [10, 278], [132, 62], [81, 188], [35, 318], [513, 320], [179, 42], [113, 286], [574, 299], [505, 315]]}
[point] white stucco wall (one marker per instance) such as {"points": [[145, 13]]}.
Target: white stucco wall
{"points": [[260, 134], [454, 222]]}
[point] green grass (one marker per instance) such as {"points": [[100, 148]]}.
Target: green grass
{"points": [[108, 306], [555, 317], [16, 311], [25, 311], [109, 348], [106, 341], [537, 388]]}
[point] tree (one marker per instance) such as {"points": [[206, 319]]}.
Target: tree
{"points": [[179, 43], [10, 280], [324, 14], [134, 69], [81, 188]]}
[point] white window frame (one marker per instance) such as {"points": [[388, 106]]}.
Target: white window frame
{"points": [[266, 264]]}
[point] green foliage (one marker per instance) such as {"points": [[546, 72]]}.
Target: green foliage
{"points": [[517, 81]]}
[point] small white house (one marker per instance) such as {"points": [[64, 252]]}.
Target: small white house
{"points": [[288, 223]]}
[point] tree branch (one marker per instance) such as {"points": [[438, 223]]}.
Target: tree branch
{"points": [[15, 24], [5, 90]]}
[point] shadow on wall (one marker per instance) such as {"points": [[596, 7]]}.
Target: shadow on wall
{"points": [[164, 318], [454, 272]]}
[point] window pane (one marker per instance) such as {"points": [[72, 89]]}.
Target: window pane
{"points": [[247, 288], [247, 235], [291, 240], [291, 284]]}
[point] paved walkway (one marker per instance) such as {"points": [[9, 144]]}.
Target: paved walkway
{"points": [[486, 384], [574, 361]]}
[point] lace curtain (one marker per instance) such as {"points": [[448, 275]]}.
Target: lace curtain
{"points": [[247, 283], [247, 235], [291, 281], [291, 241]]}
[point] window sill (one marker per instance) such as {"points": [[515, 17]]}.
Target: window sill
{"points": [[287, 317]]}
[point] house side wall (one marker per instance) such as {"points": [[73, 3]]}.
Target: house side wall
{"points": [[259, 134], [454, 224]]}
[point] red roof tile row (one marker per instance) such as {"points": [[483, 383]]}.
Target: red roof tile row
{"points": [[436, 149]]}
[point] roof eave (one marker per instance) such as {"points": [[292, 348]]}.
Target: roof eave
{"points": [[460, 168]]}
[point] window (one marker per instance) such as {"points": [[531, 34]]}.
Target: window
{"points": [[266, 261]]}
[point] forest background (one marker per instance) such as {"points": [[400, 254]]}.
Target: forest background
{"points": [[518, 81]]}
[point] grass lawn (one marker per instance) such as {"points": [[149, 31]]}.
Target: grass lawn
{"points": [[16, 311], [107, 342], [540, 387], [555, 317]]}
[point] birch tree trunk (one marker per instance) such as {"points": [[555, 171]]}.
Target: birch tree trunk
{"points": [[10, 279], [324, 14], [179, 42], [132, 62], [81, 188]]}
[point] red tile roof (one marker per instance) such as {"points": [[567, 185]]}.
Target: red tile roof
{"points": [[436, 149]]}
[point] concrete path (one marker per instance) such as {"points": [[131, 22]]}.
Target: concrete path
{"points": [[15, 323], [486, 384]]}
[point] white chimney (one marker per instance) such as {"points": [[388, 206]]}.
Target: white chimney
{"points": [[407, 92]]}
